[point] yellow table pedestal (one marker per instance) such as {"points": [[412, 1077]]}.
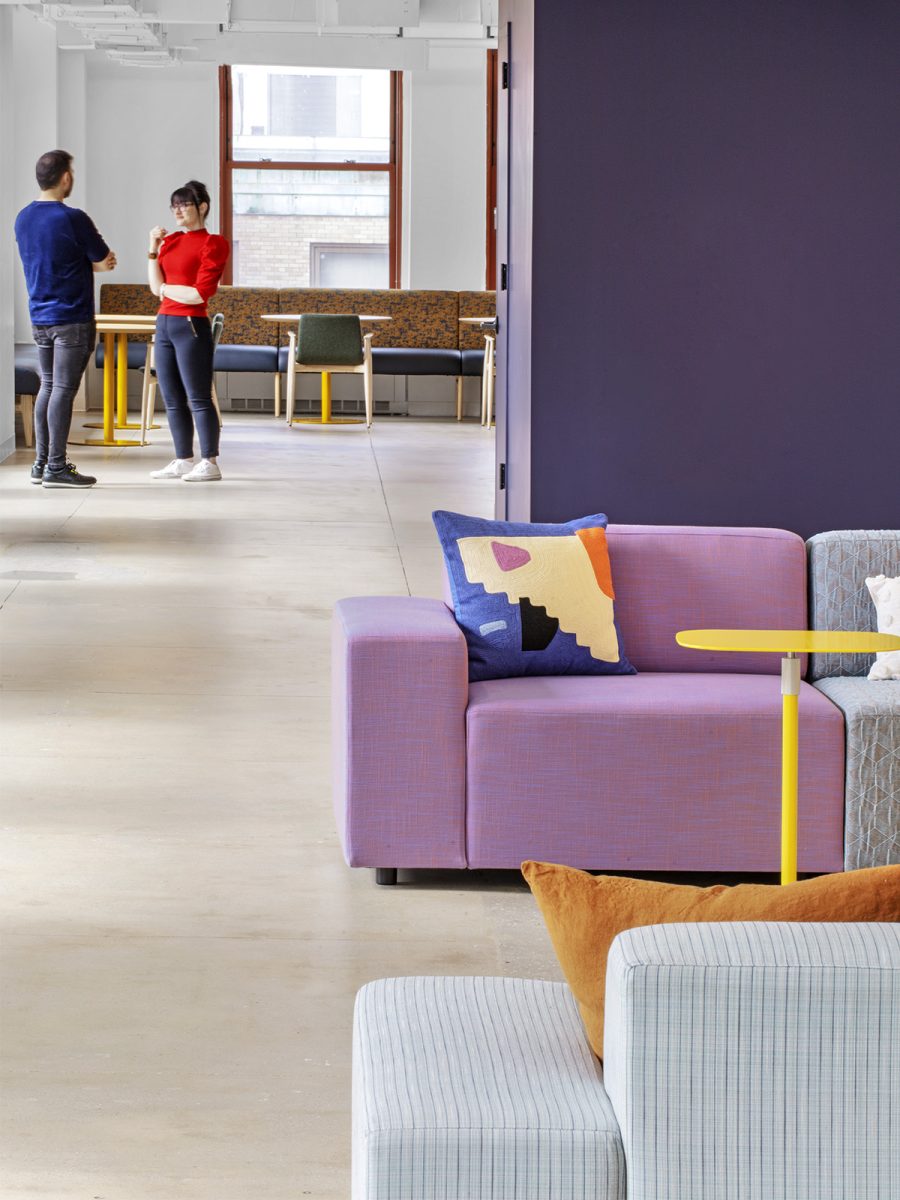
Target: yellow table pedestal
{"points": [[790, 643], [790, 764], [115, 380]]}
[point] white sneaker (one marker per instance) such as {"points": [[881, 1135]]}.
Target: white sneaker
{"points": [[204, 472], [176, 469]]}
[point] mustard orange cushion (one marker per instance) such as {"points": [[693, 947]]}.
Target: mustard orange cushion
{"points": [[584, 913]]}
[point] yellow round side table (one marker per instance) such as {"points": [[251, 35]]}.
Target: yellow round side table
{"points": [[790, 643]]}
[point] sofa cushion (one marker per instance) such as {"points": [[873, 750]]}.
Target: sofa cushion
{"points": [[473, 361], [839, 562], [585, 912], [388, 360], [475, 1088], [672, 577], [649, 772], [871, 711], [532, 599], [245, 358]]}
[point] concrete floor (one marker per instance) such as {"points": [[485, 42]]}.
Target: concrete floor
{"points": [[182, 941]]}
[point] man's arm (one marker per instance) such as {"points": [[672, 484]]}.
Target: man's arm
{"points": [[94, 246], [106, 264]]}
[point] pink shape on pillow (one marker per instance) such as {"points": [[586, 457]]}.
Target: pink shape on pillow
{"points": [[509, 557]]}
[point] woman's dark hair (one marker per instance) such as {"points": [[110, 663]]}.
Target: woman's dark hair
{"points": [[51, 167], [194, 192]]}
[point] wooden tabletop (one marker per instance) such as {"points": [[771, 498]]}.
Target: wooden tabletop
{"points": [[788, 641], [296, 316]]}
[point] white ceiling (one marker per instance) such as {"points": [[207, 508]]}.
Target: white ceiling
{"points": [[364, 33]]}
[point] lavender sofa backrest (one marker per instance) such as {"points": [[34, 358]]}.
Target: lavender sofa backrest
{"points": [[672, 577]]}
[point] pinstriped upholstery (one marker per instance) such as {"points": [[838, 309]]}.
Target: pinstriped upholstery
{"points": [[756, 1061], [478, 1089]]}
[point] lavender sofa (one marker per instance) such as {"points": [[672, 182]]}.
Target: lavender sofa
{"points": [[676, 768]]}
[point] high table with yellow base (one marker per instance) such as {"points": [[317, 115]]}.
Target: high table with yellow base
{"points": [[115, 328], [326, 417], [790, 643]]}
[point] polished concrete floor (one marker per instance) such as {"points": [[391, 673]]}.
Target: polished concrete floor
{"points": [[182, 941]]}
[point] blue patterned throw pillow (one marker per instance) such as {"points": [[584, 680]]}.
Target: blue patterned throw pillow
{"points": [[532, 599]]}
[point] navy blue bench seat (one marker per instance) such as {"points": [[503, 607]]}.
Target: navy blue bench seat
{"points": [[228, 358], [28, 383], [401, 360]]}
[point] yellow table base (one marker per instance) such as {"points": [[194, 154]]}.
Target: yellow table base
{"points": [[789, 643], [106, 442], [326, 417]]}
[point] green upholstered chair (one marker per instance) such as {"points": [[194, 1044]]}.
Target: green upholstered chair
{"points": [[325, 343]]}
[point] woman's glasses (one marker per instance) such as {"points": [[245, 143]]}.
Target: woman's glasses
{"points": [[181, 204]]}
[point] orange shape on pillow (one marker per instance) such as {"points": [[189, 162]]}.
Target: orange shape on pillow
{"points": [[583, 914], [594, 542]]}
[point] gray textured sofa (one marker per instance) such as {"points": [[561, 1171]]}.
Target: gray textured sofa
{"points": [[742, 1062], [839, 563]]}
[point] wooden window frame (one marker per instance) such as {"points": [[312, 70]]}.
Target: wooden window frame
{"points": [[393, 167]]}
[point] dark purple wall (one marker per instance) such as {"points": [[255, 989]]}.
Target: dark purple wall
{"points": [[715, 307]]}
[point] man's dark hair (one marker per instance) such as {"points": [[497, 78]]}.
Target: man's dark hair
{"points": [[51, 167]]}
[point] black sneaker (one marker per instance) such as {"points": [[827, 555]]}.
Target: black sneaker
{"points": [[66, 476], [37, 473]]}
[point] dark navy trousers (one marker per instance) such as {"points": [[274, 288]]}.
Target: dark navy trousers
{"points": [[184, 368]]}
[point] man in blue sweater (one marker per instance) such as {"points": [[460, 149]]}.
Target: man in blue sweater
{"points": [[60, 250]]}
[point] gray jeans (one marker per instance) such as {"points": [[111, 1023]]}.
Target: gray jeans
{"points": [[63, 352]]}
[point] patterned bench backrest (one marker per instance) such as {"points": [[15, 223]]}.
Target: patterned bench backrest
{"points": [[242, 308], [128, 298], [475, 304], [839, 562], [419, 319]]}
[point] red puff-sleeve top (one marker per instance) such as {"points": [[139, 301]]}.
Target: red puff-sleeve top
{"points": [[194, 259]]}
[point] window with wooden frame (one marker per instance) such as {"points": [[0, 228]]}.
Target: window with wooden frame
{"points": [[310, 175]]}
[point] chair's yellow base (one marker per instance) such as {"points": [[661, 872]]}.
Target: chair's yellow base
{"points": [[330, 421]]}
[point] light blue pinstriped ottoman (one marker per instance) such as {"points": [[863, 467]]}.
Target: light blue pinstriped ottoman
{"points": [[745, 1061], [478, 1089]]}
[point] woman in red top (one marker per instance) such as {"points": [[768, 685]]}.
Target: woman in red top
{"points": [[184, 269]]}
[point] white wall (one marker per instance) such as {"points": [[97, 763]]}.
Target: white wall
{"points": [[7, 246], [36, 130], [444, 171], [148, 132]]}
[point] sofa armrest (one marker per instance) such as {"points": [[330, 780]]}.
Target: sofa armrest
{"points": [[399, 694], [755, 1059]]}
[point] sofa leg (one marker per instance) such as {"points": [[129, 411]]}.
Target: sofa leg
{"points": [[386, 876]]}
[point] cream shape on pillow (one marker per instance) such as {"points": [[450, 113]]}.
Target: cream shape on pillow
{"points": [[555, 573], [885, 595]]}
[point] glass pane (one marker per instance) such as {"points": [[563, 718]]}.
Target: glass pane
{"points": [[304, 114], [302, 228]]}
